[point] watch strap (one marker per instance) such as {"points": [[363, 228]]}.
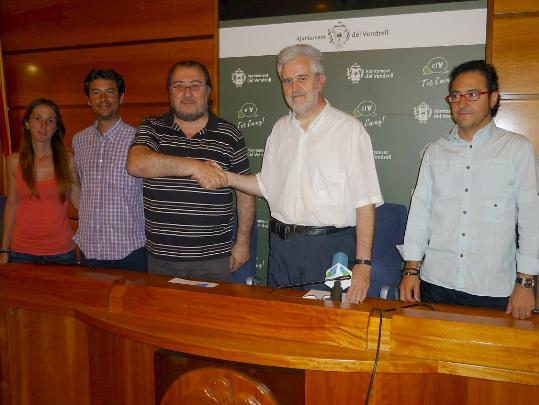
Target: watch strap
{"points": [[368, 262]]}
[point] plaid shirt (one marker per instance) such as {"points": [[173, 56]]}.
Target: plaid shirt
{"points": [[111, 216]]}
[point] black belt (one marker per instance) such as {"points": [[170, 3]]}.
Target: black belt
{"points": [[285, 230]]}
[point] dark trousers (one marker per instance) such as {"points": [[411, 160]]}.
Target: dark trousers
{"points": [[62, 258], [303, 258], [207, 270], [137, 260], [441, 295]]}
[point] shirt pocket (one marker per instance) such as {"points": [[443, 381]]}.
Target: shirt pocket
{"points": [[328, 188], [495, 210], [441, 177], [497, 178]]}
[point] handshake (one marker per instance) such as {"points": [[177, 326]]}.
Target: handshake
{"points": [[210, 175]]}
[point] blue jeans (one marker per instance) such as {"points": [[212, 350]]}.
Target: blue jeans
{"points": [[137, 260], [62, 258]]}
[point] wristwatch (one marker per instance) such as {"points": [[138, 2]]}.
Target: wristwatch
{"points": [[527, 282]]}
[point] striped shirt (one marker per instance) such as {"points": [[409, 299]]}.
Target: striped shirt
{"points": [[184, 222], [111, 215]]}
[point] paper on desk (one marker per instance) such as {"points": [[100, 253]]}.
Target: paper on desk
{"points": [[320, 295], [178, 280]]}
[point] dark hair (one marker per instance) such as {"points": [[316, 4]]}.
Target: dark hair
{"points": [[189, 64], [487, 70], [106, 74], [59, 154]]}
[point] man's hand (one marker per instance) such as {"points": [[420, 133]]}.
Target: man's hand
{"points": [[361, 279], [521, 302], [409, 289], [210, 175], [239, 256]]}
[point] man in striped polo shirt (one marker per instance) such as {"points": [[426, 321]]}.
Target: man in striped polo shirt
{"points": [[189, 229]]}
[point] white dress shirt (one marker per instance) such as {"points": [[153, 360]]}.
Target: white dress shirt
{"points": [[319, 177], [468, 203]]}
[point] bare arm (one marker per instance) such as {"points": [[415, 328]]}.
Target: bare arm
{"points": [[361, 273], [244, 183], [246, 215], [9, 209], [144, 162], [74, 193]]}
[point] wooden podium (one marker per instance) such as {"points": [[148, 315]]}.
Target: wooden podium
{"points": [[73, 336]]}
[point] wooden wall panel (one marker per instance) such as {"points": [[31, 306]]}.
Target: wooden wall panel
{"points": [[515, 6], [77, 23], [515, 53], [521, 116], [60, 74], [80, 117], [43, 376]]}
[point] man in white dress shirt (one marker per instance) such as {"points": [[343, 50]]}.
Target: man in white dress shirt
{"points": [[319, 179]]}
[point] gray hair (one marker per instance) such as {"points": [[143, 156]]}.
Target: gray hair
{"points": [[301, 50]]}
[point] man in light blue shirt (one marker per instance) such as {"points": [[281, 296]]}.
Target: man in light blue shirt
{"points": [[474, 216]]}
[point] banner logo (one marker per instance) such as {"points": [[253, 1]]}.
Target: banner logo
{"points": [[435, 65], [365, 109], [355, 73], [338, 35], [248, 110], [238, 77], [246, 113], [255, 153], [382, 155], [422, 112], [436, 71]]}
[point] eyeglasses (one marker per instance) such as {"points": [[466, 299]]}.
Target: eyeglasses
{"points": [[472, 95], [181, 87]]}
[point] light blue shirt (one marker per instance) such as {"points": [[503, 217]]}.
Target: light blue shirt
{"points": [[469, 202]]}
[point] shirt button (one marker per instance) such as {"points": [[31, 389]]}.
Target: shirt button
{"points": [[461, 255], [464, 212], [466, 189], [468, 167]]}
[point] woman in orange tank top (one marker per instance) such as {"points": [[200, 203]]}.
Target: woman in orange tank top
{"points": [[41, 179]]}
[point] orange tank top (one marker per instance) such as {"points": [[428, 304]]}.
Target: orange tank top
{"points": [[41, 226]]}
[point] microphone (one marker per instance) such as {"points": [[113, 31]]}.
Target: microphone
{"points": [[337, 279], [336, 273], [336, 291], [341, 258]]}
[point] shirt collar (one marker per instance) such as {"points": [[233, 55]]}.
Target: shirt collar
{"points": [[481, 136], [314, 123], [211, 125], [112, 131]]}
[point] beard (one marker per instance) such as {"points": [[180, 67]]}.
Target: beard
{"points": [[189, 109], [190, 116], [310, 102]]}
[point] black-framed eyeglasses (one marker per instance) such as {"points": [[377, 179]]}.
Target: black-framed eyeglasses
{"points": [[472, 95], [180, 87]]}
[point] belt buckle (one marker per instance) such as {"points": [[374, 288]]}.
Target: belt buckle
{"points": [[286, 232]]}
